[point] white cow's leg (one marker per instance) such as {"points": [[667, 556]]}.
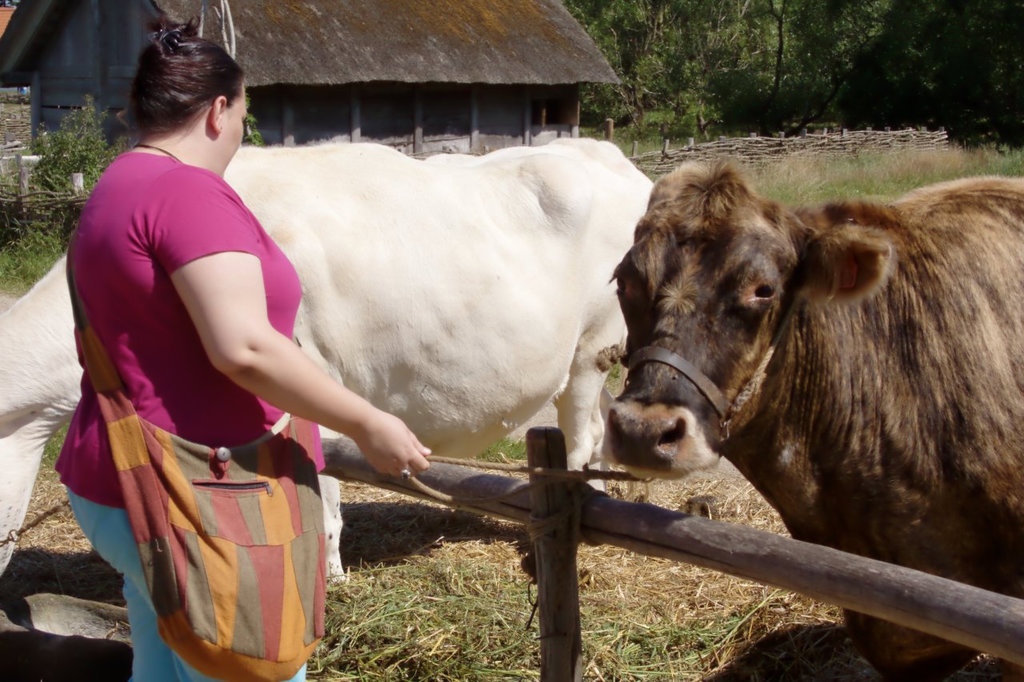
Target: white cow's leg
{"points": [[21, 450], [330, 491], [579, 413], [39, 388]]}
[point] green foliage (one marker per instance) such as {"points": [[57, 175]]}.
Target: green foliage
{"points": [[953, 63], [719, 66], [25, 260], [799, 55], [252, 134], [53, 446], [78, 146], [505, 450], [34, 228]]}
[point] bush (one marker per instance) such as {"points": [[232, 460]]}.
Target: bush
{"points": [[34, 229], [252, 133], [78, 146]]}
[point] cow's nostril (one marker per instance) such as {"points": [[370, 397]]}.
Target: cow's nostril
{"points": [[675, 434]]}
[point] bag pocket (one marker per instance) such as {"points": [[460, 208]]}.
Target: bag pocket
{"points": [[235, 511]]}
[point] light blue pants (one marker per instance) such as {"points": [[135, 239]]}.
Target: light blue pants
{"points": [[108, 530]]}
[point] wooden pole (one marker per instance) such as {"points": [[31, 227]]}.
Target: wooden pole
{"points": [[474, 119], [555, 530], [356, 113], [22, 176], [609, 129], [77, 183], [417, 120]]}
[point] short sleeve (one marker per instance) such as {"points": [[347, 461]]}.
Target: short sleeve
{"points": [[190, 213]]}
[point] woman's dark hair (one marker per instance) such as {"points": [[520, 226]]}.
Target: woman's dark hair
{"points": [[179, 74]]}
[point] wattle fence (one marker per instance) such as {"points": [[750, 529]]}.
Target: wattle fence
{"points": [[758, 150], [562, 512]]}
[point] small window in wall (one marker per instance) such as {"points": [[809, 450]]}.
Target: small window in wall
{"points": [[552, 111]]}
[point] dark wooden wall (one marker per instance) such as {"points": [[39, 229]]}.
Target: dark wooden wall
{"points": [[417, 118]]}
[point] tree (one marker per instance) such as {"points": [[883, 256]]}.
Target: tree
{"points": [[665, 52], [634, 36], [952, 63], [805, 53], [781, 65]]}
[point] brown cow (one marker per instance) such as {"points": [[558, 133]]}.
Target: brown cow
{"points": [[862, 365]]}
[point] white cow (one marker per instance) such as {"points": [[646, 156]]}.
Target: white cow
{"points": [[463, 295]]}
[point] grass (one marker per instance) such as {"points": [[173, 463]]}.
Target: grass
{"points": [[25, 261], [505, 450], [881, 177], [52, 448]]}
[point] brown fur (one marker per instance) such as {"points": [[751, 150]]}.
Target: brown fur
{"points": [[890, 426]]}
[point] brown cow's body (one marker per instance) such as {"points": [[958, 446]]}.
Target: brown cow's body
{"points": [[890, 418]]}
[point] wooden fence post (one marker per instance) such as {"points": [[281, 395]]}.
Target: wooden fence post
{"points": [[554, 545], [77, 183], [22, 176], [609, 129]]}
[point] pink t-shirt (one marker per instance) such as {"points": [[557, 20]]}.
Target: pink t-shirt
{"points": [[147, 216]]}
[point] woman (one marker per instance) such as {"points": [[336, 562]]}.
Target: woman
{"points": [[195, 306]]}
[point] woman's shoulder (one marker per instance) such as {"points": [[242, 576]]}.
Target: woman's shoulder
{"points": [[174, 181]]}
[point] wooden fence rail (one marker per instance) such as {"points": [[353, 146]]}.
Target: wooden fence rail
{"points": [[983, 620]]}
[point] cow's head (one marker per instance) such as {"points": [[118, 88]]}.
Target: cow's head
{"points": [[705, 290]]}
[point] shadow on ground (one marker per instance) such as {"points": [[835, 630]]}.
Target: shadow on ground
{"points": [[78, 574], [819, 653], [389, 532]]}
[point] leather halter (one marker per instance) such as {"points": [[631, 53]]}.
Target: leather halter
{"points": [[707, 388]]}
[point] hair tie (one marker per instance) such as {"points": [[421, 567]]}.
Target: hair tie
{"points": [[170, 38]]}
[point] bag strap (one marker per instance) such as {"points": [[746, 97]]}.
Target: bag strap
{"points": [[101, 370]]}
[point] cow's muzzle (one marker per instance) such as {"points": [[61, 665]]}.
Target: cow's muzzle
{"points": [[656, 440]]}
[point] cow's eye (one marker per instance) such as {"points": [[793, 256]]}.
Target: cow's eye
{"points": [[764, 291]]}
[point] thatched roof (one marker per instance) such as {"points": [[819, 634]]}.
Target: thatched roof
{"points": [[330, 42]]}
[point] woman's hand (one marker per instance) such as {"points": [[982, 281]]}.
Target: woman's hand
{"points": [[389, 446]]}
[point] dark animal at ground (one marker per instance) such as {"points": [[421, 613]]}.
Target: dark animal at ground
{"points": [[861, 364], [56, 638]]}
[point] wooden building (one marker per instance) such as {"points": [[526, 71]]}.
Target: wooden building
{"points": [[444, 75]]}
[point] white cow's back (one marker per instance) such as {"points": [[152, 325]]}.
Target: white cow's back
{"points": [[452, 293]]}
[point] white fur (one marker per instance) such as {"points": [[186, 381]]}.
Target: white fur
{"points": [[461, 294]]}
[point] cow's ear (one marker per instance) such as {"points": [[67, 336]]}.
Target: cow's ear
{"points": [[847, 262]]}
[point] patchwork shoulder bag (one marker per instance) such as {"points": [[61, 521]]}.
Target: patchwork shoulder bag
{"points": [[231, 539]]}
